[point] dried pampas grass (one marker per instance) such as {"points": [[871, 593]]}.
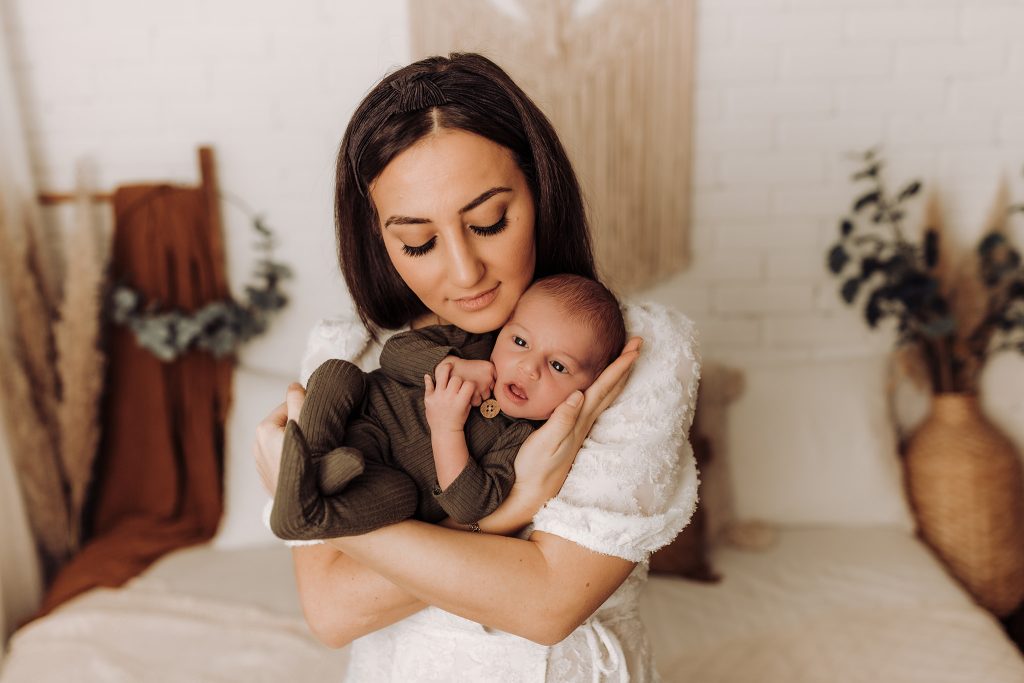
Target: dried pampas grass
{"points": [[80, 362], [52, 371], [33, 315], [29, 397]]}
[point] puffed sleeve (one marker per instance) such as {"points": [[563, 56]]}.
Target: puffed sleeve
{"points": [[339, 337], [633, 485]]}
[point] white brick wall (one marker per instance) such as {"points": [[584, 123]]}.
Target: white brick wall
{"points": [[939, 84], [138, 85], [784, 88]]}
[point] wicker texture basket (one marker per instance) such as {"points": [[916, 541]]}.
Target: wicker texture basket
{"points": [[964, 480]]}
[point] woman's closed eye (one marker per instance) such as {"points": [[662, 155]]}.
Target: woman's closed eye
{"points": [[486, 231], [421, 249], [491, 229]]}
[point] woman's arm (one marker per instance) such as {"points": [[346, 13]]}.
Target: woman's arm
{"points": [[341, 598], [540, 589]]}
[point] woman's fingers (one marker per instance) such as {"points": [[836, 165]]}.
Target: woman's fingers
{"points": [[428, 383], [566, 415], [266, 450], [274, 421], [441, 374], [609, 384], [294, 398]]}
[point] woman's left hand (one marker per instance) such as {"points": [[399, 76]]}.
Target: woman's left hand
{"points": [[270, 436]]}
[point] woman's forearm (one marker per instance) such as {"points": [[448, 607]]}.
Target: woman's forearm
{"points": [[539, 589], [343, 600]]}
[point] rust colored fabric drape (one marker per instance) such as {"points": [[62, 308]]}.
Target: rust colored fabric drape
{"points": [[158, 479]]}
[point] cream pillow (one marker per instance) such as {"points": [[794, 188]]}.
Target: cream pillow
{"points": [[812, 443]]}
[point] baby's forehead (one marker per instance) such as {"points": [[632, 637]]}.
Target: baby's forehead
{"points": [[560, 320]]}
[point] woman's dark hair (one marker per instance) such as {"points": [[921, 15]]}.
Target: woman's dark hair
{"points": [[463, 92]]}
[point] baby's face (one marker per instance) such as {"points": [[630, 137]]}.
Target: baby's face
{"points": [[540, 357]]}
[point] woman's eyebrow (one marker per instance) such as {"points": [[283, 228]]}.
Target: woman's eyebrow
{"points": [[483, 198], [410, 220]]}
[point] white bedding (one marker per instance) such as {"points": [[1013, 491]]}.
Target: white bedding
{"points": [[835, 605], [826, 605]]}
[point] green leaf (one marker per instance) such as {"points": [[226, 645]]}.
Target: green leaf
{"points": [[837, 259], [869, 198], [869, 172], [850, 289], [909, 191]]}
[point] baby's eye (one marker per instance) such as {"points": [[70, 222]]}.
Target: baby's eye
{"points": [[558, 367], [518, 341]]}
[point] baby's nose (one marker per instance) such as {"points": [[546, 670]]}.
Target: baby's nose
{"points": [[529, 370]]}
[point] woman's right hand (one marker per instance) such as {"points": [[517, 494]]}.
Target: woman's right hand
{"points": [[270, 436], [544, 460]]}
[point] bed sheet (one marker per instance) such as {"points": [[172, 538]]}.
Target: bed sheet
{"points": [[835, 605], [198, 615], [842, 605]]}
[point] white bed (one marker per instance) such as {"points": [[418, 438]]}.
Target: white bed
{"points": [[846, 595], [837, 605]]}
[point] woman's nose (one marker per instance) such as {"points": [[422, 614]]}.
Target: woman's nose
{"points": [[465, 268]]}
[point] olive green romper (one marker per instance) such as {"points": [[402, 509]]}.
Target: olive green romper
{"points": [[360, 457]]}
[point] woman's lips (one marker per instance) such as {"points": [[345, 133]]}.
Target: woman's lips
{"points": [[515, 393], [479, 301]]}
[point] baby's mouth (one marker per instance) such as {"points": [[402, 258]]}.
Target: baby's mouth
{"points": [[516, 393]]}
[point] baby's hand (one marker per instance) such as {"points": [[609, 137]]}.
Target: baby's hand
{"points": [[447, 404], [479, 372]]}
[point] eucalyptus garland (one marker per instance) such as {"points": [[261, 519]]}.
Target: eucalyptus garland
{"points": [[219, 327]]}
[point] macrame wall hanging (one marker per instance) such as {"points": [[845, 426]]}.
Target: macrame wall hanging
{"points": [[615, 78]]}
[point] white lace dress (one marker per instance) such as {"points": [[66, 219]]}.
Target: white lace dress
{"points": [[631, 489]]}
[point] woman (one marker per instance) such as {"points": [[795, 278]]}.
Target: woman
{"points": [[453, 194]]}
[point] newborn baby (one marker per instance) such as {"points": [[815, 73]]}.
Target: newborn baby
{"points": [[405, 440]]}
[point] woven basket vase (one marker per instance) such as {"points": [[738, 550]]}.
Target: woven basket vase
{"points": [[964, 480]]}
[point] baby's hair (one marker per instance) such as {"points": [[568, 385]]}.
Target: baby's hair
{"points": [[594, 305]]}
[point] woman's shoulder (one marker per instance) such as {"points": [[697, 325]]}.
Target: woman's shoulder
{"points": [[339, 336], [669, 362], [665, 330]]}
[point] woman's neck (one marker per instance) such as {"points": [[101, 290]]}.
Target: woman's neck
{"points": [[426, 320]]}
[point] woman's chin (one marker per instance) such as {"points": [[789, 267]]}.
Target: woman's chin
{"points": [[479, 322]]}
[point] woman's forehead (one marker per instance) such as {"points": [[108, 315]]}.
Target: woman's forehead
{"points": [[444, 171]]}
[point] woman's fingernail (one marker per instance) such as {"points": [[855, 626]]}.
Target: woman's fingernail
{"points": [[640, 344], [575, 398]]}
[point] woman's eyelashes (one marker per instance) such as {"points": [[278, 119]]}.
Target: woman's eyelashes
{"points": [[492, 229], [422, 249]]}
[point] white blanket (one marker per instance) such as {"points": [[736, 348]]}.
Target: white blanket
{"points": [[827, 605], [135, 634]]}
